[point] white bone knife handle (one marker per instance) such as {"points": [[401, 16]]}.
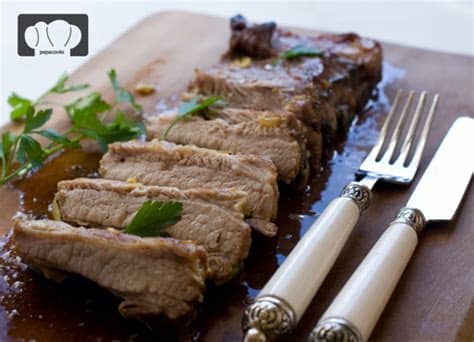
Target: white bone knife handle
{"points": [[281, 303], [356, 309]]}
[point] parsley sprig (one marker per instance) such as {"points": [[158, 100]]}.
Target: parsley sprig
{"points": [[153, 217], [21, 153], [196, 106], [20, 105], [300, 51]]}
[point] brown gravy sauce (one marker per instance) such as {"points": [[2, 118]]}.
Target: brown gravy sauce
{"points": [[33, 308]]}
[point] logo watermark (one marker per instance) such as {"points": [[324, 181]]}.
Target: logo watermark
{"points": [[53, 34]]}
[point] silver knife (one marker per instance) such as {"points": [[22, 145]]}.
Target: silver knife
{"points": [[356, 309]]}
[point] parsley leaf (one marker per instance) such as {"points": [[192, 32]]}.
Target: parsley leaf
{"points": [[122, 95], [85, 106], [6, 144], [35, 120], [19, 105], [121, 129], [83, 113], [30, 150], [194, 106], [300, 51], [153, 217], [58, 138], [8, 139], [60, 86], [187, 108]]}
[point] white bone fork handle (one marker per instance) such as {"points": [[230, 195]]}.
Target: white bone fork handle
{"points": [[282, 302]]}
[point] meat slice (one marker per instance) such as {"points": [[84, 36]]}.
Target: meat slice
{"points": [[152, 275], [267, 135], [263, 85], [188, 167], [309, 141], [107, 203]]}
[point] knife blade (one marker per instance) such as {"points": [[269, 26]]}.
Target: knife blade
{"points": [[356, 309], [444, 182]]}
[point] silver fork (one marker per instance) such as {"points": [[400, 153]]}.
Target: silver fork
{"points": [[281, 303], [376, 168]]}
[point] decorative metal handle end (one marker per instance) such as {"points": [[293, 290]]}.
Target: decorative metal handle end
{"points": [[335, 330], [412, 217], [359, 193], [267, 318], [254, 335]]}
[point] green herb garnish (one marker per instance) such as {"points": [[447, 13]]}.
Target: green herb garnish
{"points": [[85, 121], [153, 217], [21, 153], [300, 51], [20, 105], [60, 86], [122, 95], [196, 105]]}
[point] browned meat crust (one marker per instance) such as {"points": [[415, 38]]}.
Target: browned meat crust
{"points": [[251, 40], [322, 92]]}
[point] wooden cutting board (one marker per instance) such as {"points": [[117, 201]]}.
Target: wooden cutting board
{"points": [[434, 300]]}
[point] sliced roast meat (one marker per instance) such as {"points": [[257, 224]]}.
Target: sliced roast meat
{"points": [[309, 140], [323, 91], [152, 275], [247, 137], [189, 167], [107, 203], [263, 85]]}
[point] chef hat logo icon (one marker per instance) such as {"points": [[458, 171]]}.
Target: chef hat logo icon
{"points": [[52, 34], [58, 35]]}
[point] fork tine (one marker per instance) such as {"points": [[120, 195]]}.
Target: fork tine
{"points": [[383, 132], [424, 134], [411, 131], [396, 132]]}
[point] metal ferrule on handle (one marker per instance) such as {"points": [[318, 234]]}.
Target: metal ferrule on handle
{"points": [[357, 308], [281, 303]]}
